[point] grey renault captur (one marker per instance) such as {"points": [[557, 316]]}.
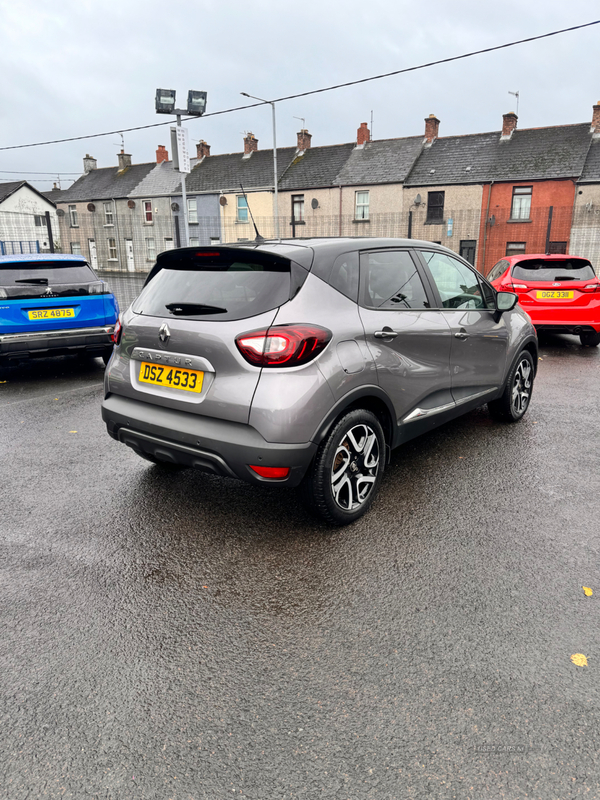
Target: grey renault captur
{"points": [[305, 362]]}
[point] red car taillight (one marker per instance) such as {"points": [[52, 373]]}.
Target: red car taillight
{"points": [[591, 287], [273, 473], [116, 334], [283, 345]]}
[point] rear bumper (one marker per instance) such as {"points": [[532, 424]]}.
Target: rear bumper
{"points": [[210, 445], [93, 339], [574, 327]]}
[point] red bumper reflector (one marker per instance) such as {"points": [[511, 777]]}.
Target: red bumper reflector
{"points": [[275, 473]]}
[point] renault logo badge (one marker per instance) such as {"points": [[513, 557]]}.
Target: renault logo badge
{"points": [[164, 334]]}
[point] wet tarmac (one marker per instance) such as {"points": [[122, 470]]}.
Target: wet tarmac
{"points": [[184, 636]]}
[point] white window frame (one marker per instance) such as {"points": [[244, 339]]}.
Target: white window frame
{"points": [[73, 220], [112, 248], [192, 209], [109, 217], [241, 208], [169, 243], [148, 210], [75, 248], [520, 207], [361, 208], [150, 249], [194, 241]]}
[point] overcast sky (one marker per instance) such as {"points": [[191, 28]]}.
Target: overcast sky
{"points": [[80, 67]]}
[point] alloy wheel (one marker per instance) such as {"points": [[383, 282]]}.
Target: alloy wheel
{"points": [[521, 387], [355, 466]]}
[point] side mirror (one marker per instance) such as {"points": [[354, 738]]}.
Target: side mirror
{"points": [[506, 301]]}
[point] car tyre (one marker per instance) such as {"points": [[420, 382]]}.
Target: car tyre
{"points": [[590, 338], [346, 472], [106, 357], [516, 397]]}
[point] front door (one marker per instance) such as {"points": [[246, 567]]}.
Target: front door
{"points": [[129, 253], [93, 256], [410, 343], [467, 250], [479, 335]]}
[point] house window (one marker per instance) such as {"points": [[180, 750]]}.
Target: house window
{"points": [[147, 206], [521, 202], [515, 248], [73, 217], [298, 207], [150, 250], [242, 209], [192, 210], [112, 249], [39, 221], [557, 248], [194, 241], [108, 214], [169, 243], [362, 205], [435, 206], [75, 248], [215, 240]]}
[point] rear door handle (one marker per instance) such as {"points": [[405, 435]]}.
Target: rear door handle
{"points": [[462, 334], [386, 333]]}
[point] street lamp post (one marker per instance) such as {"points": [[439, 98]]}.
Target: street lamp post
{"points": [[276, 199], [196, 106]]}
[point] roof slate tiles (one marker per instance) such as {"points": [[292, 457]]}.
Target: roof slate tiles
{"points": [[384, 161], [531, 154], [106, 184], [591, 171], [225, 173], [316, 168]]}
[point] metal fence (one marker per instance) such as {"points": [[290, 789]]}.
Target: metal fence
{"points": [[118, 240]]}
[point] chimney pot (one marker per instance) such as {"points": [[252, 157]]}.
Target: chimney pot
{"points": [[124, 160], [162, 154], [509, 123], [432, 126], [304, 138], [595, 129], [250, 144], [363, 134], [89, 163], [202, 149]]}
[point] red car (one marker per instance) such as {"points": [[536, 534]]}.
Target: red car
{"points": [[560, 293]]}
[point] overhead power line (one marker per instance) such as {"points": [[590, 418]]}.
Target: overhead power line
{"points": [[316, 91]]}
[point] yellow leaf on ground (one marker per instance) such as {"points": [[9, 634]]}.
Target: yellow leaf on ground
{"points": [[587, 591], [72, 431], [579, 659]]}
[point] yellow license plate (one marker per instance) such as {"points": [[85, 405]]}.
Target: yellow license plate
{"points": [[554, 295], [188, 379], [51, 313]]}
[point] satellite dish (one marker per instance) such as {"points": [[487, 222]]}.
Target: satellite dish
{"points": [[314, 203], [174, 206], [492, 221], [223, 200], [418, 200], [131, 204], [60, 212], [91, 207]]}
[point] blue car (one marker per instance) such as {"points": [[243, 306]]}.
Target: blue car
{"points": [[54, 305]]}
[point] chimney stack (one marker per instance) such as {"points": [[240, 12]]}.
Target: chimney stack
{"points": [[89, 163], [202, 149], [595, 129], [432, 125], [250, 144], [509, 123], [304, 138], [363, 134], [124, 161], [162, 154]]}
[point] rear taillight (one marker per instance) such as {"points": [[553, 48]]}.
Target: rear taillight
{"points": [[273, 473], [283, 345], [591, 287], [518, 286], [116, 334]]}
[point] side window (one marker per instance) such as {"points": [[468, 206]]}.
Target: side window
{"points": [[344, 275], [390, 281], [457, 284], [497, 270], [489, 294]]}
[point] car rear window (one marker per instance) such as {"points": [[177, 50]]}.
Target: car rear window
{"points": [[27, 279], [571, 269], [227, 284]]}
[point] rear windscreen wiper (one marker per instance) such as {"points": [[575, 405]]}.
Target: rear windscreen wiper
{"points": [[566, 278], [183, 309], [35, 281]]}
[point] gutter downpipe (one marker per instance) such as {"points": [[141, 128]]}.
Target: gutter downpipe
{"points": [[485, 229], [340, 214]]}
